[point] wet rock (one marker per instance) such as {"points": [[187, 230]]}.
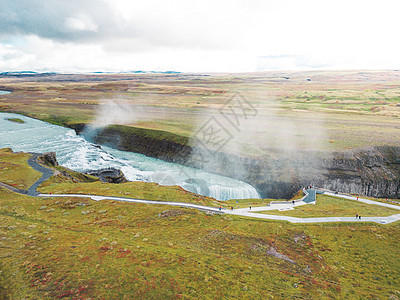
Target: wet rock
{"points": [[110, 175], [79, 127]]}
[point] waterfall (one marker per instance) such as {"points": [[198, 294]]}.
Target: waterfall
{"points": [[76, 153]]}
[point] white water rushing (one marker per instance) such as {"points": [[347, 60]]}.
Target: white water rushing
{"points": [[76, 153]]}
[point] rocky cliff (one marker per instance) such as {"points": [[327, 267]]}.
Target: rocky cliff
{"points": [[371, 171]]}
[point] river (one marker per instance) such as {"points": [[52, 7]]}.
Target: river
{"points": [[74, 152]]}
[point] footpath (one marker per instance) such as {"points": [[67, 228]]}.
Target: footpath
{"points": [[308, 199]]}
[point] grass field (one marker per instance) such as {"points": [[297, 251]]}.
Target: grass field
{"points": [[327, 206], [81, 249], [333, 111], [15, 171]]}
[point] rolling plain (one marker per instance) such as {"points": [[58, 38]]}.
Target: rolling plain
{"points": [[82, 249]]}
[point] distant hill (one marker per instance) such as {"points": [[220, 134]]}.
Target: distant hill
{"points": [[25, 73]]}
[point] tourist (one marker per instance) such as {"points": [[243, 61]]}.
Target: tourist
{"points": [[356, 217]]}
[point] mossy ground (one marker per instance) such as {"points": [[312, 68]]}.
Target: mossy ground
{"points": [[151, 134], [16, 120], [80, 249], [15, 171]]}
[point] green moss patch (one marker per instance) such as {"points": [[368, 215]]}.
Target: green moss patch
{"points": [[16, 120], [15, 171], [150, 134]]}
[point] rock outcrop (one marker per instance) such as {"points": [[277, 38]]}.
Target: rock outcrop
{"points": [[110, 175], [49, 158], [158, 144]]}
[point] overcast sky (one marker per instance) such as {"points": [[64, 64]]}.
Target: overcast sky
{"points": [[198, 36]]}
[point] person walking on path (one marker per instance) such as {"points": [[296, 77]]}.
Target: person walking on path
{"points": [[359, 217], [356, 217], [250, 207]]}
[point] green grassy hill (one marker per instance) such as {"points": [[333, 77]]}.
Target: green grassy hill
{"points": [[76, 248]]}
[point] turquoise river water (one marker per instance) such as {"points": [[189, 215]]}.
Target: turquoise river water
{"points": [[76, 153]]}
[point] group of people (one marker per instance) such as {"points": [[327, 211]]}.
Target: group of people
{"points": [[220, 208], [358, 217]]}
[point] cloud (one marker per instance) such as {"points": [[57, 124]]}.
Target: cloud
{"points": [[61, 20], [153, 24], [12, 58], [80, 23], [199, 36]]}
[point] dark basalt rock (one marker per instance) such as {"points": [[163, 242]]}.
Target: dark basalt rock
{"points": [[78, 127], [49, 158], [373, 171], [110, 175]]}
